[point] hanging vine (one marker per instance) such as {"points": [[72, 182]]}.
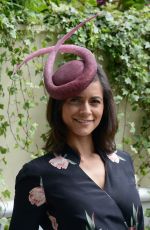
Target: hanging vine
{"points": [[119, 39]]}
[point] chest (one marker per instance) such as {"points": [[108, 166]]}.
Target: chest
{"points": [[76, 191], [92, 180], [95, 169]]}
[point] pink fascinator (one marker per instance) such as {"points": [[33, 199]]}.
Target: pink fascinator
{"points": [[74, 76]]}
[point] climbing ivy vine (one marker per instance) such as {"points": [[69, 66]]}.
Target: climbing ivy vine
{"points": [[119, 37]]}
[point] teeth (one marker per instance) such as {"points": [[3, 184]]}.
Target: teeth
{"points": [[83, 121]]}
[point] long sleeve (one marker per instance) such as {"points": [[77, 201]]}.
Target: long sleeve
{"points": [[29, 204], [55, 193]]}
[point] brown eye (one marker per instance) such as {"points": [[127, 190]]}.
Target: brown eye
{"points": [[74, 100], [95, 102]]}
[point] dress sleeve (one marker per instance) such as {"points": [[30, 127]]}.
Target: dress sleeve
{"points": [[140, 209], [133, 174], [30, 208]]}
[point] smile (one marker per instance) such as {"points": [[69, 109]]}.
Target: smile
{"points": [[83, 121]]}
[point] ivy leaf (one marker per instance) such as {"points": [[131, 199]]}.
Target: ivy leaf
{"points": [[1, 117], [118, 99], [132, 127], [135, 97], [125, 92], [13, 33], [29, 104], [4, 221], [3, 128], [1, 106], [12, 90], [1, 90], [43, 99], [3, 150], [128, 81], [147, 45], [27, 42], [147, 212], [95, 30], [32, 129], [109, 17], [6, 193], [133, 149]]}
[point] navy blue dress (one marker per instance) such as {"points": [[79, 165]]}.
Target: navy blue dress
{"points": [[55, 193]]}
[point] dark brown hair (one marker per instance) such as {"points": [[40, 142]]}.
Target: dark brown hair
{"points": [[103, 135]]}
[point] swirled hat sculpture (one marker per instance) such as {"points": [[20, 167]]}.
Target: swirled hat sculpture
{"points": [[72, 77]]}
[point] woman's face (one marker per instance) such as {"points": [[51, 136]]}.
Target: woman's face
{"points": [[82, 114]]}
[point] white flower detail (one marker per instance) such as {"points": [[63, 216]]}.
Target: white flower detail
{"points": [[114, 157], [61, 162]]}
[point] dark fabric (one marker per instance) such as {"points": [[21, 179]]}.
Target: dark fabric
{"points": [[73, 200]]}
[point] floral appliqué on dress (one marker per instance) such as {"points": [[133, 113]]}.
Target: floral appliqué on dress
{"points": [[37, 195], [134, 219], [90, 222], [60, 162], [132, 228], [115, 158]]}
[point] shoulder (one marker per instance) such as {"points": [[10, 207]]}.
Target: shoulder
{"points": [[35, 168], [124, 155], [126, 161], [122, 158]]}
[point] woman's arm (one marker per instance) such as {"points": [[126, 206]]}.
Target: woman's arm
{"points": [[30, 208]]}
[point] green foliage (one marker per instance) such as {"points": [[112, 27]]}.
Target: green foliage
{"points": [[121, 42], [147, 214], [124, 42], [119, 39], [126, 4]]}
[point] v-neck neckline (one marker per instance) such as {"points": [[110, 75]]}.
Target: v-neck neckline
{"points": [[87, 175], [100, 189], [72, 155]]}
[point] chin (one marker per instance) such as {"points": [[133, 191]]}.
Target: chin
{"points": [[83, 134]]}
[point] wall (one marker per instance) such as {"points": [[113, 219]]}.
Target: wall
{"points": [[17, 157]]}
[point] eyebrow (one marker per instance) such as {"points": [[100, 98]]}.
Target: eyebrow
{"points": [[97, 97], [94, 97]]}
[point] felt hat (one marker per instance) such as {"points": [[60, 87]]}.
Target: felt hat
{"points": [[72, 77]]}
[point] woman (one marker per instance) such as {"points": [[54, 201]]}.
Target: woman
{"points": [[83, 182]]}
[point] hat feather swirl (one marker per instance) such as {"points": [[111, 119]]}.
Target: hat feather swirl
{"points": [[72, 77]]}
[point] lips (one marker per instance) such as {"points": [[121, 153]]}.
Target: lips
{"points": [[83, 121]]}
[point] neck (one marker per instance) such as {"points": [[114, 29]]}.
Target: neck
{"points": [[83, 145]]}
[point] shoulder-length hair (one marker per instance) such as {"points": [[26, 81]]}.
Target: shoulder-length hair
{"points": [[103, 135]]}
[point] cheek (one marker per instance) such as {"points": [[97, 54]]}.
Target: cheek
{"points": [[99, 113], [66, 113]]}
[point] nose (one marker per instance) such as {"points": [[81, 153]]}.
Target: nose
{"points": [[85, 109]]}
